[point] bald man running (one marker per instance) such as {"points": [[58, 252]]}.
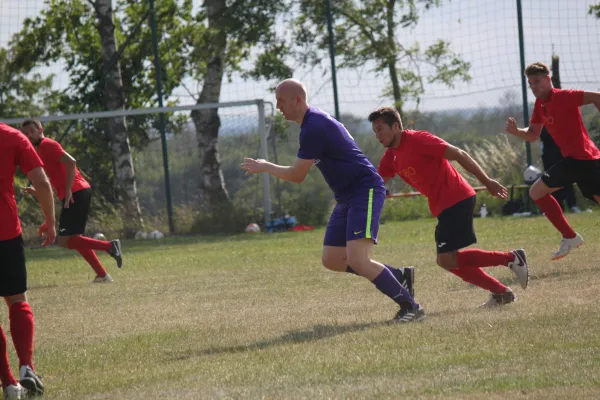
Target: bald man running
{"points": [[359, 192]]}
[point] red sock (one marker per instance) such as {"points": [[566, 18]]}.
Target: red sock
{"points": [[81, 243], [93, 260], [551, 208], [21, 330], [6, 375], [476, 258], [477, 277]]}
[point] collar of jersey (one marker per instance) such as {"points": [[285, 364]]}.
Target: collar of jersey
{"points": [[549, 99]]}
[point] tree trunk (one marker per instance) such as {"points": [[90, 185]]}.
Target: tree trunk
{"points": [[398, 100], [391, 59], [207, 121], [555, 72], [113, 98]]}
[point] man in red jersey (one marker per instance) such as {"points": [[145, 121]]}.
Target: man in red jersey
{"points": [[15, 150], [558, 111], [423, 161], [75, 194]]}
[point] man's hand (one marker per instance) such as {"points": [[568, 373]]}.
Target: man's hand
{"points": [[511, 126], [68, 199], [252, 166], [49, 231], [496, 189]]}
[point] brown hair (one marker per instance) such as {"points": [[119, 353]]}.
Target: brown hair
{"points": [[537, 68], [387, 114], [31, 121]]}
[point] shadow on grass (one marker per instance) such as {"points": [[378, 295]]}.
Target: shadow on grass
{"points": [[317, 332], [533, 276]]}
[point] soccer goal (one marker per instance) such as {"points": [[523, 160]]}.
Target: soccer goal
{"points": [[168, 168]]}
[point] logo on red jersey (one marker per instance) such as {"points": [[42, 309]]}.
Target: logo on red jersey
{"points": [[548, 120], [410, 171]]}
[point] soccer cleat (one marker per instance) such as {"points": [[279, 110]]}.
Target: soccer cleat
{"points": [[575, 210], [115, 252], [103, 279], [15, 392], [499, 299], [406, 277], [409, 315], [31, 382], [519, 267], [566, 245]]}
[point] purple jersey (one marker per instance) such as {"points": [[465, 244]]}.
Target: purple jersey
{"points": [[345, 168]]}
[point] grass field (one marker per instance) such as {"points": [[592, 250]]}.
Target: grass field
{"points": [[258, 317]]}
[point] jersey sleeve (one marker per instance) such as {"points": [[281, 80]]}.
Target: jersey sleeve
{"points": [[52, 150], [431, 145], [572, 98], [26, 157], [312, 143], [536, 117]]}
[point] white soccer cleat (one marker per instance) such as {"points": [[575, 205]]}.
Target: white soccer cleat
{"points": [[103, 279], [566, 245], [15, 392], [520, 268]]}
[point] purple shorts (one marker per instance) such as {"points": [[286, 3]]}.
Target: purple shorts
{"points": [[356, 217]]}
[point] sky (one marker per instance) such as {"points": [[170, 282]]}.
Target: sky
{"points": [[483, 32]]}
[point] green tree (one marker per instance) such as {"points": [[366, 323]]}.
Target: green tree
{"points": [[370, 30], [595, 10], [226, 33], [206, 45], [84, 36], [21, 94]]}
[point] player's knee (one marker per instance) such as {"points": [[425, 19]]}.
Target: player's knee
{"points": [[532, 193], [358, 260], [63, 241], [446, 261]]}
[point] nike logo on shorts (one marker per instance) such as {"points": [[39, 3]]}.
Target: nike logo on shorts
{"points": [[441, 245], [358, 232]]}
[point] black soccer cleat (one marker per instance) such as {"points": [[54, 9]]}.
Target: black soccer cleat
{"points": [[405, 315], [30, 381], [115, 252]]}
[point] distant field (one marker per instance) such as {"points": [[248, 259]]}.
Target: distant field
{"points": [[258, 317]]}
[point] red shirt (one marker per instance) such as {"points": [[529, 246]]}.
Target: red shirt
{"points": [[561, 116], [50, 152], [419, 160], [15, 150]]}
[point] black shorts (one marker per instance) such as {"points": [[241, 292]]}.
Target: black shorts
{"points": [[13, 275], [585, 173], [455, 229], [73, 219]]}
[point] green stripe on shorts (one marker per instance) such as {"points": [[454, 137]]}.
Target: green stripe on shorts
{"points": [[369, 214]]}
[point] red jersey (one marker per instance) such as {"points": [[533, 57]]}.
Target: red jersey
{"points": [[419, 160], [560, 114], [15, 150], [50, 152]]}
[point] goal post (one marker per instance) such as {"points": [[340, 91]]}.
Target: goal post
{"points": [[243, 118]]}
